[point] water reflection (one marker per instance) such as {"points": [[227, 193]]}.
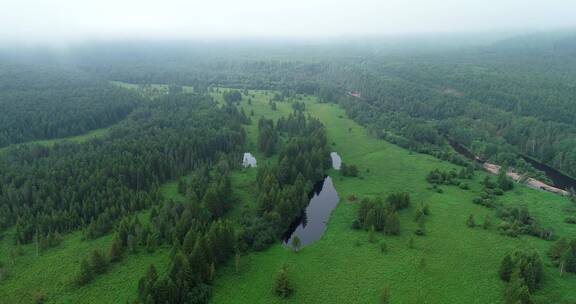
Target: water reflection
{"points": [[312, 224], [336, 160], [249, 160]]}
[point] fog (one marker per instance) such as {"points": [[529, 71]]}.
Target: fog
{"points": [[41, 21]]}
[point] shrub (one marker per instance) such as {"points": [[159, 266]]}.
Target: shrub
{"points": [[383, 247], [282, 286]]}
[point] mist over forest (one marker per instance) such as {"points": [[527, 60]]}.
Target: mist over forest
{"points": [[288, 152]]}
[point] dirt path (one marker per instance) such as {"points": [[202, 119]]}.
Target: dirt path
{"points": [[530, 182]]}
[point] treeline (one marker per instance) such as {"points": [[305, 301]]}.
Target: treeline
{"points": [[497, 101], [503, 111], [201, 240], [563, 255], [382, 215], [283, 189], [524, 273], [45, 101], [92, 184]]}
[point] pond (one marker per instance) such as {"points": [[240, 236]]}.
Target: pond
{"points": [[311, 225], [336, 160], [249, 160]]}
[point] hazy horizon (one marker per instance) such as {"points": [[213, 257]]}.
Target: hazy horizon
{"points": [[65, 21]]}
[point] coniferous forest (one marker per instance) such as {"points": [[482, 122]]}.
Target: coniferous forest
{"points": [[122, 181]]}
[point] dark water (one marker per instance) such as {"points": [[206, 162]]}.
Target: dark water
{"points": [[336, 160], [464, 151], [559, 179], [311, 225]]}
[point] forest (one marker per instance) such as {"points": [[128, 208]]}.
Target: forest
{"points": [[162, 187], [43, 101]]}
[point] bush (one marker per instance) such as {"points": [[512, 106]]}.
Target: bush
{"points": [[282, 286], [498, 192], [383, 247], [464, 186], [40, 297]]}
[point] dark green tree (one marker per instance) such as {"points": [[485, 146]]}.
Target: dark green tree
{"points": [[282, 285]]}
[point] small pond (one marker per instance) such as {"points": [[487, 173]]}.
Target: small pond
{"points": [[311, 225], [336, 160], [249, 160]]}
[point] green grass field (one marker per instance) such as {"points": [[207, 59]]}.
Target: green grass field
{"points": [[51, 273], [78, 138], [461, 263], [342, 267]]}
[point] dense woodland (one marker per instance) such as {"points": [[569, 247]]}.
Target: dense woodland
{"points": [[89, 185], [512, 96], [44, 101], [201, 241], [500, 101]]}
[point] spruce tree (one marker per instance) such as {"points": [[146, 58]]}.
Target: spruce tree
{"points": [[470, 221], [98, 262], [506, 268], [115, 253], [86, 273], [392, 223], [282, 286], [516, 291]]}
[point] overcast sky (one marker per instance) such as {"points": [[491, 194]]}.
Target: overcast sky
{"points": [[66, 20]]}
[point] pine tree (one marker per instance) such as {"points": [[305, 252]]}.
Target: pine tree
{"points": [[116, 250], [516, 291], [282, 285], [86, 273], [98, 262], [189, 241], [506, 268], [146, 283], [151, 243], [487, 222], [470, 221], [392, 223]]}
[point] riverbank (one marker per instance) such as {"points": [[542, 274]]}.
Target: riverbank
{"points": [[528, 181], [517, 177]]}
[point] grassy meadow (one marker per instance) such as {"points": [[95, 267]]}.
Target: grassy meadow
{"points": [[451, 264], [460, 264]]}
